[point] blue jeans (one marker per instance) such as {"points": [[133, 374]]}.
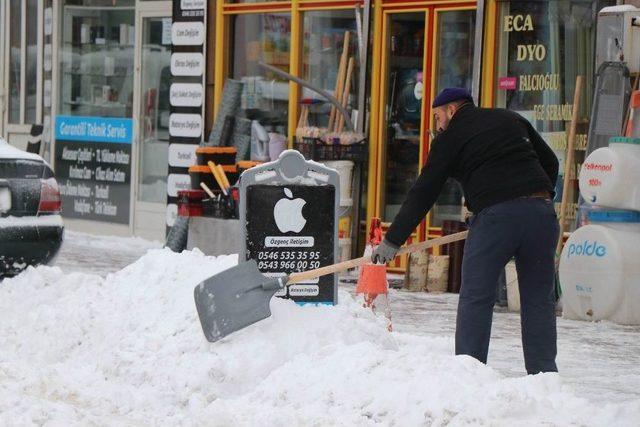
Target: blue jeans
{"points": [[525, 229]]}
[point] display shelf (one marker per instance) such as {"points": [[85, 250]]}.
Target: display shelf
{"points": [[101, 45], [80, 73], [406, 61], [409, 138], [93, 105], [92, 72]]}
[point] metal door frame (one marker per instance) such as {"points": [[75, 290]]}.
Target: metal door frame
{"points": [[144, 9], [4, 28]]}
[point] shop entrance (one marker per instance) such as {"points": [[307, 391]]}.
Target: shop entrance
{"points": [[423, 50], [151, 114]]}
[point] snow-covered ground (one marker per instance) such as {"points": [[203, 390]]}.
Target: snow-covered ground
{"points": [[88, 342]]}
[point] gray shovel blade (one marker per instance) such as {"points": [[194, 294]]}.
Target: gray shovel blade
{"points": [[234, 299]]}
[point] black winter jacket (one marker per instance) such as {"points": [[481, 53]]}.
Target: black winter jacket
{"points": [[494, 153]]}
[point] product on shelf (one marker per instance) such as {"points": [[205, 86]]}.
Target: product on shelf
{"points": [[217, 155], [610, 175]]}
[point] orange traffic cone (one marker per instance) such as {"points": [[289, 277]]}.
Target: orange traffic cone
{"points": [[372, 281]]}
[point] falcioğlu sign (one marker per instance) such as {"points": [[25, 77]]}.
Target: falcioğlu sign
{"points": [[93, 167], [288, 209]]}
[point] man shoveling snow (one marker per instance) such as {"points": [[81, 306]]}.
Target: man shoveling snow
{"points": [[508, 175]]}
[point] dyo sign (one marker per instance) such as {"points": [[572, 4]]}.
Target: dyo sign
{"points": [[531, 52]]}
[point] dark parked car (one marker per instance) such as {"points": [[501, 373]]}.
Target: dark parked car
{"points": [[31, 228]]}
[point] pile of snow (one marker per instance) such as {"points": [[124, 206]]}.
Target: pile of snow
{"points": [[128, 350]]}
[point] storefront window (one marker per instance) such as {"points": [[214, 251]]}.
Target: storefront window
{"points": [[93, 126], [153, 131], [262, 38], [97, 54], [324, 36], [403, 107], [542, 47], [31, 77], [456, 31], [15, 59]]}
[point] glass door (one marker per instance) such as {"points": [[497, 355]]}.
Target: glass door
{"points": [[403, 101], [453, 67], [153, 79], [423, 53]]}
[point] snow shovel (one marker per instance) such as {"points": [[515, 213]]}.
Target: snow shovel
{"points": [[239, 296]]}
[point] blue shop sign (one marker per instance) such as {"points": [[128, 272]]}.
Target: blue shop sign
{"points": [[94, 129]]}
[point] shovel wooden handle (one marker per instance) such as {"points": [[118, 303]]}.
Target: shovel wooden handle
{"points": [[342, 266]]}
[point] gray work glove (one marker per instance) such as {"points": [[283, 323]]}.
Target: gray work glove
{"points": [[384, 253]]}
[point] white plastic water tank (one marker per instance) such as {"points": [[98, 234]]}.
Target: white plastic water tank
{"points": [[610, 176], [600, 269]]}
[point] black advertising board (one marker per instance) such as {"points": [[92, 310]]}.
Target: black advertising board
{"points": [[186, 96], [189, 9], [291, 228], [93, 167]]}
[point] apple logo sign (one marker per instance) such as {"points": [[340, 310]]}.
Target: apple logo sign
{"points": [[288, 213]]}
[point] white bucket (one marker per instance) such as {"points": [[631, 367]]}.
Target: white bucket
{"points": [[345, 249], [345, 170], [599, 269], [609, 176], [277, 144]]}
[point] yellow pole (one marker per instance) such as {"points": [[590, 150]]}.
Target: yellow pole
{"points": [[220, 48], [294, 68], [376, 112], [489, 55]]}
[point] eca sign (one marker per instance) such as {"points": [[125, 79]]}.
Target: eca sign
{"points": [[517, 23]]}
